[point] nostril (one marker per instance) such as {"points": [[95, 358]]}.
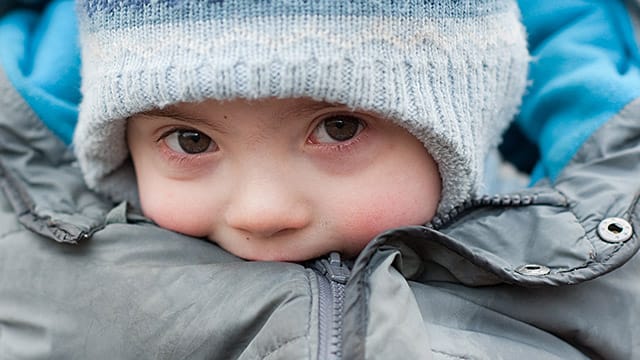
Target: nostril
{"points": [[264, 224], [264, 232]]}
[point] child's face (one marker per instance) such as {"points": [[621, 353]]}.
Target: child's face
{"points": [[283, 180]]}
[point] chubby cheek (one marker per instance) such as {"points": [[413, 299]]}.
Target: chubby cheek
{"points": [[363, 225], [171, 207], [392, 206]]}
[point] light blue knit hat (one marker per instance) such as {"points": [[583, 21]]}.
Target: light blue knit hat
{"points": [[451, 72]]}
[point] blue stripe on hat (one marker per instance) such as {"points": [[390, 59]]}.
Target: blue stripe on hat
{"points": [[130, 11]]}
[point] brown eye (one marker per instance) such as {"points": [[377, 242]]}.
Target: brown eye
{"points": [[337, 129], [189, 142]]}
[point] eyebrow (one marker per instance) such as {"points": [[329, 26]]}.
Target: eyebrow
{"points": [[308, 108], [187, 118]]}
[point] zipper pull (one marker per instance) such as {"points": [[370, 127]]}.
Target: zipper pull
{"points": [[335, 269]]}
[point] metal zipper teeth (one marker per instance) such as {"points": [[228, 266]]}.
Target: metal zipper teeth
{"points": [[331, 285], [336, 338], [440, 221], [325, 318]]}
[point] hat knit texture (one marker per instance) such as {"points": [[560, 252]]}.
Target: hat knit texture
{"points": [[450, 72]]}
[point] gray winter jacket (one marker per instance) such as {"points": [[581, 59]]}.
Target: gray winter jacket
{"points": [[547, 273]]}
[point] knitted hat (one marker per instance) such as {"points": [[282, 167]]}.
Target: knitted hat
{"points": [[451, 72]]}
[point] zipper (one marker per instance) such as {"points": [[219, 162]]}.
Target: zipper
{"points": [[332, 276]]}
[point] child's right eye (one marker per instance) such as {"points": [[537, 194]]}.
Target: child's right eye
{"points": [[336, 129], [189, 142]]}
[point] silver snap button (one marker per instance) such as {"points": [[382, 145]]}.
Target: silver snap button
{"points": [[533, 270], [615, 230]]}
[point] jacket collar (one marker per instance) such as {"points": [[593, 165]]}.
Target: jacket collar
{"points": [[40, 177]]}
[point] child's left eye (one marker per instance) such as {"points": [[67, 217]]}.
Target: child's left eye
{"points": [[337, 129], [189, 142]]}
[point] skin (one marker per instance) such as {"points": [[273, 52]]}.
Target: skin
{"points": [[274, 183]]}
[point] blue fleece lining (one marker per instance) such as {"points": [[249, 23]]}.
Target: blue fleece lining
{"points": [[41, 57], [586, 69]]}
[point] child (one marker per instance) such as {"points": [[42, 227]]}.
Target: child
{"points": [[284, 130]]}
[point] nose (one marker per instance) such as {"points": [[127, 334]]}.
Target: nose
{"points": [[267, 207]]}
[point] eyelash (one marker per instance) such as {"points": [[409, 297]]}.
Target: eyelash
{"points": [[176, 157], [340, 147]]}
